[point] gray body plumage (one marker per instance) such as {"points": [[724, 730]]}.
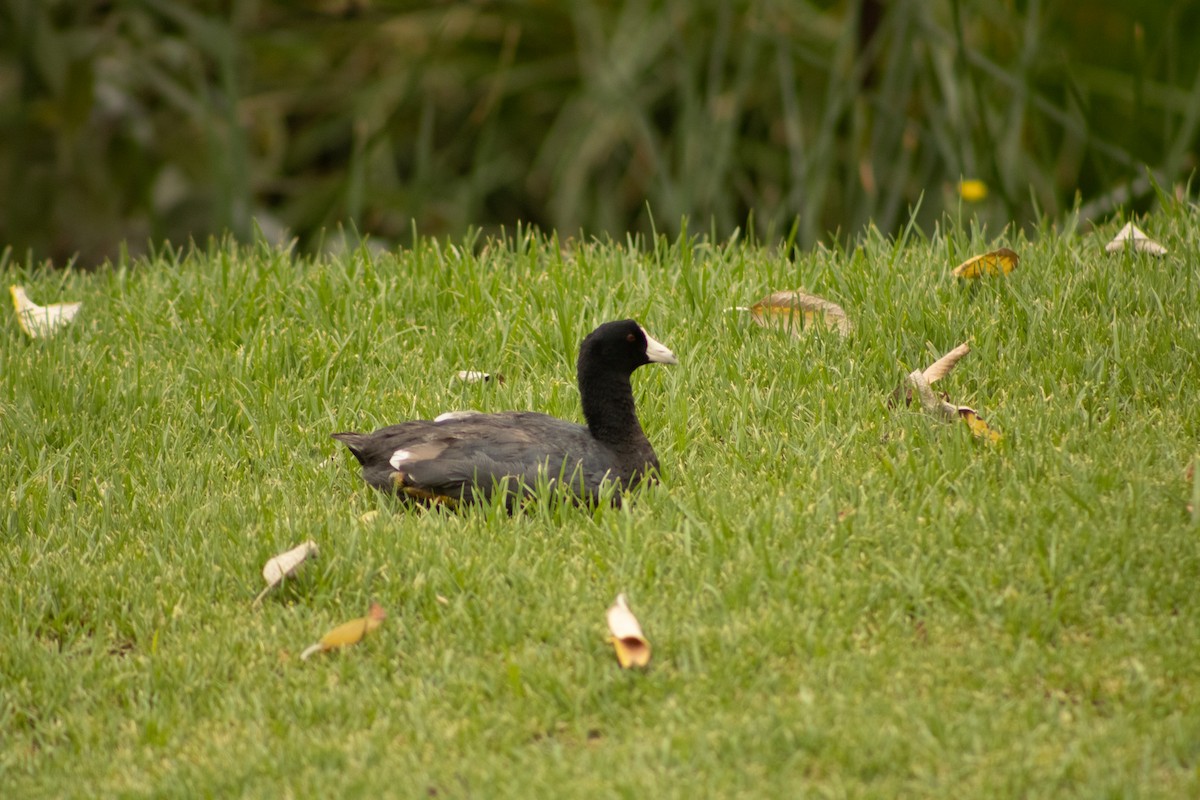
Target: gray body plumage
{"points": [[467, 457]]}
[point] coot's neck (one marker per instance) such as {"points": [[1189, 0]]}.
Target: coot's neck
{"points": [[608, 408]]}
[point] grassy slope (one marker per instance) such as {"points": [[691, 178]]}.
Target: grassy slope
{"points": [[842, 598]]}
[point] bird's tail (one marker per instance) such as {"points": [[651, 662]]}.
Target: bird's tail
{"points": [[354, 441]]}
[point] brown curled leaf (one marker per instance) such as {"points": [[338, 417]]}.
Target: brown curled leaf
{"points": [[799, 312]]}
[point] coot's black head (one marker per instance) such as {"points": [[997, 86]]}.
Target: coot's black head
{"points": [[621, 347]]}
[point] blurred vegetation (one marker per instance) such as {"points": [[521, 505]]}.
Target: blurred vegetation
{"points": [[146, 120]]}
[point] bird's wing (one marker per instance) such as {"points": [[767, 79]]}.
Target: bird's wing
{"points": [[468, 457]]}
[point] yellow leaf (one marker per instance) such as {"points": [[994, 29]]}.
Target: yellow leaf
{"points": [[977, 425], [38, 321], [348, 633], [631, 646], [997, 262], [948, 412], [797, 312], [972, 190]]}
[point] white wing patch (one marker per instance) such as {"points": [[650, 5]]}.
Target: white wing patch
{"points": [[452, 415], [398, 458]]}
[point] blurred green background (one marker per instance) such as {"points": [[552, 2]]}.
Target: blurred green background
{"points": [[147, 120]]}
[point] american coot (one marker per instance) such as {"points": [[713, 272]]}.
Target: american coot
{"points": [[464, 456]]}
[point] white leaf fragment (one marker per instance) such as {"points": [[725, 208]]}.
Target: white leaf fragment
{"points": [[477, 376], [1136, 239], [38, 321], [285, 565]]}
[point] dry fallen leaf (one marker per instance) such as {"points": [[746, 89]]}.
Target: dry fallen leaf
{"points": [[285, 565], [38, 321], [475, 376], [934, 372], [946, 411], [934, 405], [1134, 238], [977, 425], [632, 648], [797, 312], [348, 633], [941, 368], [997, 262]]}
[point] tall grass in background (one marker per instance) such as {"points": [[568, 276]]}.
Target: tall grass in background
{"points": [[149, 119]]}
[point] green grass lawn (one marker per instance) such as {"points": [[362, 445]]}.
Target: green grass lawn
{"points": [[844, 599]]}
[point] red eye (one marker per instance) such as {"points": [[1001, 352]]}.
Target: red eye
{"points": [[630, 338]]}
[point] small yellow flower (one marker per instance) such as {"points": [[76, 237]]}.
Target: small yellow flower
{"points": [[972, 190]]}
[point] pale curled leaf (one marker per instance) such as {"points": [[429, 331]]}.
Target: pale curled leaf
{"points": [[935, 371], [930, 402], [941, 368], [948, 412], [997, 262], [348, 633], [38, 321], [798, 312], [285, 565], [476, 376], [1135, 238], [630, 644]]}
